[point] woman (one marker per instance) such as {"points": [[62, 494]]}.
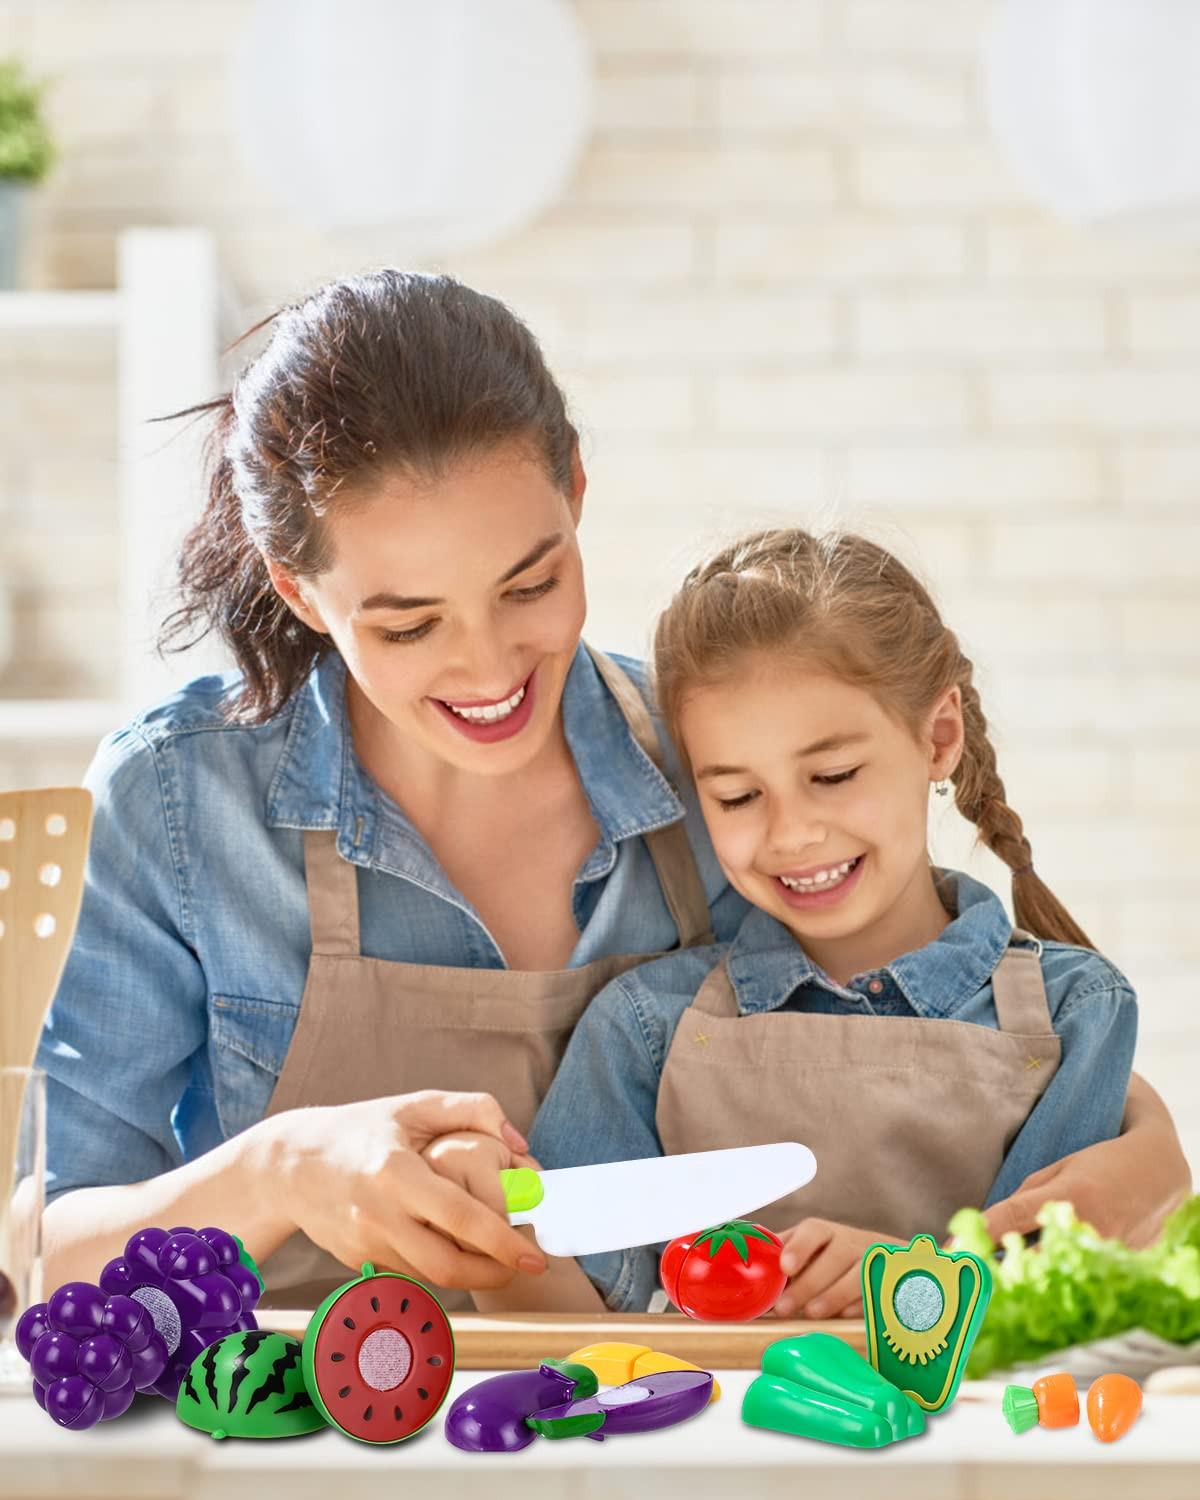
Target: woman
{"points": [[402, 849]]}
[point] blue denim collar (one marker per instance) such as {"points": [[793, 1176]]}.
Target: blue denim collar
{"points": [[319, 782], [766, 964]]}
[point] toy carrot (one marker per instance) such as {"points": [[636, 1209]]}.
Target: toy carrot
{"points": [[1113, 1404], [1052, 1401]]}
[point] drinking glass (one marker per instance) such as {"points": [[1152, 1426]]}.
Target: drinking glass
{"points": [[22, 1198]]}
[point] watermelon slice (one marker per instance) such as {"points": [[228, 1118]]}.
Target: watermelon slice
{"points": [[379, 1356], [248, 1384]]}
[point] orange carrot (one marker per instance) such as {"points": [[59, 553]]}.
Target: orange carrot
{"points": [[1051, 1401], [1113, 1404], [1058, 1401]]}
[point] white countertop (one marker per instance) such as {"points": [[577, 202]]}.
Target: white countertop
{"points": [[966, 1454]]}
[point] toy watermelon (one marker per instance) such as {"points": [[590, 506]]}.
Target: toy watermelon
{"points": [[251, 1385], [379, 1356]]}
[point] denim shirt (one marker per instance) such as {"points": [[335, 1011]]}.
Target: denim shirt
{"points": [[183, 985], [602, 1104]]}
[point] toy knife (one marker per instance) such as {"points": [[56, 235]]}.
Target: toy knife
{"points": [[616, 1205]]}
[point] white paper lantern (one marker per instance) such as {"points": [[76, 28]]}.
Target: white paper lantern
{"points": [[451, 122], [1098, 105]]}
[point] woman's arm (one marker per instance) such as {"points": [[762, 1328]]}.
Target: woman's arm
{"points": [[350, 1176], [1125, 1187], [85, 1229]]}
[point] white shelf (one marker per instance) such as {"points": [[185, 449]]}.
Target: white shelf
{"points": [[163, 316], [65, 720], [68, 310]]}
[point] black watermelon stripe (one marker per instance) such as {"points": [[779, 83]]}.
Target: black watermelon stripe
{"points": [[276, 1383], [208, 1363], [241, 1371], [299, 1402]]}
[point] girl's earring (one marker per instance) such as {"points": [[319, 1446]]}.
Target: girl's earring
{"points": [[942, 788]]}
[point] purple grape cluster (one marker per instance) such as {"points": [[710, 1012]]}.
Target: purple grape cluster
{"points": [[90, 1353], [197, 1285]]}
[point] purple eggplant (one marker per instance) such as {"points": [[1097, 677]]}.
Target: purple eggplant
{"points": [[490, 1417], [642, 1405]]}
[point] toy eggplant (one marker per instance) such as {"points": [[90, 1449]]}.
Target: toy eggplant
{"points": [[642, 1405], [491, 1416]]}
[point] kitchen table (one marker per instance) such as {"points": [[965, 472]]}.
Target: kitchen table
{"points": [[966, 1454]]}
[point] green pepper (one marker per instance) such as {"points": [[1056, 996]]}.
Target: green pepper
{"points": [[816, 1386]]}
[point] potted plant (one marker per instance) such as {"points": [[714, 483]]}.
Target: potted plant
{"points": [[26, 153]]}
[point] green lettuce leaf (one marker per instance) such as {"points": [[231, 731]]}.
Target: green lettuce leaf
{"points": [[1075, 1286]]}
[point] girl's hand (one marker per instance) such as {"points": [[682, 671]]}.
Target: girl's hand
{"points": [[474, 1161], [1125, 1187], [353, 1178], [822, 1261]]}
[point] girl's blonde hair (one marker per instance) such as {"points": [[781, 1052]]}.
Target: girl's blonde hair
{"points": [[845, 605]]}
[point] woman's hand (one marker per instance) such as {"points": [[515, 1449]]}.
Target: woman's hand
{"points": [[822, 1261], [1125, 1188], [353, 1178]]}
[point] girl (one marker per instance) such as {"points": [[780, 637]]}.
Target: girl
{"points": [[399, 849], [882, 1011]]}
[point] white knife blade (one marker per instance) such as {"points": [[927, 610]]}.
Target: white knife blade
{"points": [[616, 1205]]}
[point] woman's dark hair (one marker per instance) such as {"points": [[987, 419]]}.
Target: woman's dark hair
{"points": [[379, 372]]}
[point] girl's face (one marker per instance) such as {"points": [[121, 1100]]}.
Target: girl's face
{"points": [[817, 801], [457, 606]]}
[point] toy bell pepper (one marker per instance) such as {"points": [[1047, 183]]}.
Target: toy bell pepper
{"points": [[817, 1386]]}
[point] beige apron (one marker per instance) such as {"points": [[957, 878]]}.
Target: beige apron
{"points": [[909, 1118], [371, 1027]]}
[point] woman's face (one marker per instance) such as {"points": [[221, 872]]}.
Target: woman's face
{"points": [[816, 799], [457, 605]]}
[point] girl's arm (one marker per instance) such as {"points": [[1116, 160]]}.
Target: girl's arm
{"points": [[474, 1161], [1126, 1187], [601, 1107]]}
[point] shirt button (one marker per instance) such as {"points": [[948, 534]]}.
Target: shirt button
{"points": [[876, 986]]}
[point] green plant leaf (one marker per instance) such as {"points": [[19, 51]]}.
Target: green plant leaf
{"points": [[26, 148]]}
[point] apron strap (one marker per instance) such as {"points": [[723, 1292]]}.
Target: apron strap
{"points": [[716, 996], [669, 848], [332, 895], [1017, 987], [1019, 990]]}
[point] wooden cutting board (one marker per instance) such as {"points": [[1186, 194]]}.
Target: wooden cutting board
{"points": [[512, 1341]]}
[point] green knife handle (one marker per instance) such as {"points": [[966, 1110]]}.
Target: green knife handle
{"points": [[522, 1189]]}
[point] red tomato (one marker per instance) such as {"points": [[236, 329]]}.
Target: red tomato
{"points": [[729, 1272]]}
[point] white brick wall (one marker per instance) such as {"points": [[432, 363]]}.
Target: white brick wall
{"points": [[792, 278]]}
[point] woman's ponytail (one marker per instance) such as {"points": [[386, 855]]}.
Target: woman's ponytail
{"points": [[224, 586]]}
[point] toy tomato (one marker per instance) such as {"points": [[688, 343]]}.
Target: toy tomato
{"points": [[729, 1272]]}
